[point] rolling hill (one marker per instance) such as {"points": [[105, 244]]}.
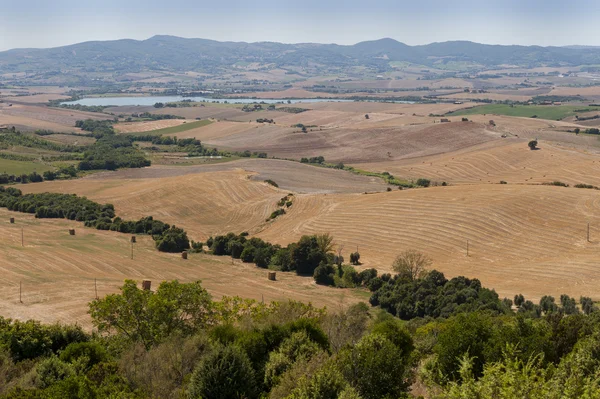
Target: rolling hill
{"points": [[170, 53]]}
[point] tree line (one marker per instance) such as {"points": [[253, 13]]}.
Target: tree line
{"points": [[102, 217]]}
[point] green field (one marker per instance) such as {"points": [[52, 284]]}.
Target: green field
{"points": [[174, 129], [22, 167], [552, 112]]}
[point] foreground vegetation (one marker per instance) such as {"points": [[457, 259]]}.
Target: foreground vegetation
{"points": [[177, 342]]}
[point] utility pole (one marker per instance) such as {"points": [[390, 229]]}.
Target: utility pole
{"points": [[588, 232], [467, 247]]}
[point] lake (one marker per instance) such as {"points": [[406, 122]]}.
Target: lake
{"points": [[122, 101]]}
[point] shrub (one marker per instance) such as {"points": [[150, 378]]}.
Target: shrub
{"points": [[411, 265], [355, 258], [224, 373], [271, 182], [173, 240], [51, 370], [93, 352], [532, 144], [556, 183], [423, 182], [324, 274]]}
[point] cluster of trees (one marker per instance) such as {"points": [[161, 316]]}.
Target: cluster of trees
{"points": [[303, 256], [156, 117], [111, 152], [16, 138], [248, 154], [317, 160], [85, 108], [34, 177], [69, 206], [166, 140], [252, 107], [265, 120], [98, 128], [191, 346]]}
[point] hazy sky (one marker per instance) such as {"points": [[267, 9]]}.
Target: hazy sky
{"points": [[50, 23]]}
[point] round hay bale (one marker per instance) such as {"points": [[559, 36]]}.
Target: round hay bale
{"points": [[133, 239], [272, 276], [72, 232], [12, 220], [184, 255], [146, 284]]}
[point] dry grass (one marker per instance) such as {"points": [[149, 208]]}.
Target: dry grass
{"points": [[32, 117], [359, 144], [57, 271], [528, 239], [221, 199]]}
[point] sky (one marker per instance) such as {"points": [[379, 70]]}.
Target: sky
{"points": [[52, 23]]}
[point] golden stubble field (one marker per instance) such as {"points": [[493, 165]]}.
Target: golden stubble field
{"points": [[59, 273], [524, 237]]}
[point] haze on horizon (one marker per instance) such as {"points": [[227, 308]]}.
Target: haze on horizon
{"points": [[41, 24]]}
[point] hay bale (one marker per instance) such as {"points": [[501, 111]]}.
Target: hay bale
{"points": [[12, 220], [272, 276], [184, 255], [72, 232], [133, 239], [146, 284]]}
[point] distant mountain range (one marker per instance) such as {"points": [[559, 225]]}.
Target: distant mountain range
{"points": [[169, 53]]}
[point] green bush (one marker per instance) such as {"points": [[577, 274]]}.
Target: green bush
{"points": [[224, 373]]}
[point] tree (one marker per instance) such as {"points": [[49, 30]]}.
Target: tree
{"points": [[569, 305], [224, 373], [325, 383], [325, 243], [307, 254], [548, 305], [587, 305], [576, 130], [303, 129], [366, 116], [519, 300], [355, 258], [173, 240], [423, 182], [148, 317], [324, 274], [462, 334], [411, 264], [298, 347], [532, 144], [377, 368]]}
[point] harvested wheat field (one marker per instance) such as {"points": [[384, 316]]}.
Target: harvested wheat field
{"points": [[290, 176], [529, 239], [220, 199], [509, 160], [32, 117], [57, 271], [360, 145]]}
